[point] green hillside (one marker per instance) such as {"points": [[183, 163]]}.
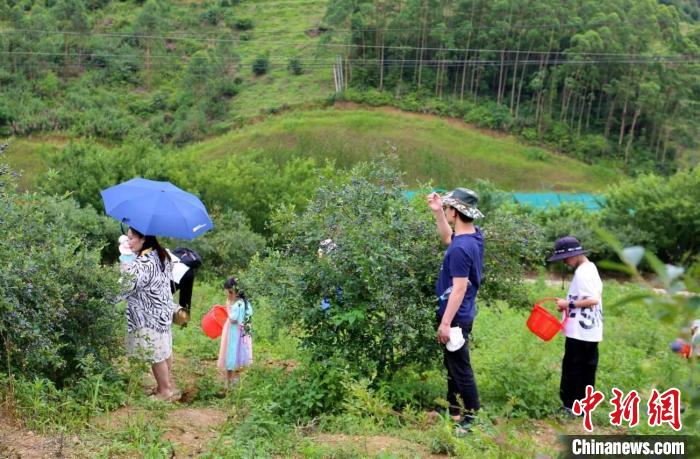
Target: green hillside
{"points": [[176, 72], [172, 72], [282, 31], [446, 151]]}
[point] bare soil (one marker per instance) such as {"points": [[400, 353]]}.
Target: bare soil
{"points": [[19, 443], [374, 445]]}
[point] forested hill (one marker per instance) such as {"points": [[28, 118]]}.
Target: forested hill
{"points": [[619, 77], [614, 80], [169, 70]]}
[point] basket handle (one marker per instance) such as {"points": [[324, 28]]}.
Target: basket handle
{"points": [[551, 298], [544, 300]]}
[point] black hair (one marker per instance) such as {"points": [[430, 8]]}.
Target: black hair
{"points": [[462, 217], [152, 243], [233, 284]]}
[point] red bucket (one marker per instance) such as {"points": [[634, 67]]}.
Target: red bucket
{"points": [[214, 320], [542, 323]]}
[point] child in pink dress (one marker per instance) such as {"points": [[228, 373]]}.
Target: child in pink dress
{"points": [[236, 350]]}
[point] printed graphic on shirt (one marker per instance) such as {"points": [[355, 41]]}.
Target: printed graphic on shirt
{"points": [[585, 324], [588, 318]]}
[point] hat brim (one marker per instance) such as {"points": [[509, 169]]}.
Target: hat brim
{"points": [[471, 212], [564, 256]]}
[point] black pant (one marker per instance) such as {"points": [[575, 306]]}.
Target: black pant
{"points": [[460, 377], [577, 370], [185, 286]]}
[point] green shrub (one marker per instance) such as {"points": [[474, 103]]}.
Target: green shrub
{"points": [[371, 97], [490, 115], [227, 87], [591, 147], [537, 154], [57, 300], [311, 390], [211, 16], [49, 85], [229, 246], [490, 197], [572, 219], [294, 66], [558, 134], [378, 280], [105, 122], [68, 169], [512, 244], [657, 212], [251, 183], [376, 285], [244, 24], [530, 134], [261, 65], [410, 387]]}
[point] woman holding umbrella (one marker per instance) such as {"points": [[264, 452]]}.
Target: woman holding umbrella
{"points": [[153, 208], [150, 309]]}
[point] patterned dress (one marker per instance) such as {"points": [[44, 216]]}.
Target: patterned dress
{"points": [[236, 348], [149, 311]]}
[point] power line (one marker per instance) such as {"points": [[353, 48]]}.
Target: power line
{"points": [[361, 46], [326, 62], [517, 25], [646, 59], [300, 2]]}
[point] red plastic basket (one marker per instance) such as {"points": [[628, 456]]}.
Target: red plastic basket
{"points": [[542, 323], [214, 320]]}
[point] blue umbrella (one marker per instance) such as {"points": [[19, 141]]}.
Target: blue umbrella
{"points": [[157, 208]]}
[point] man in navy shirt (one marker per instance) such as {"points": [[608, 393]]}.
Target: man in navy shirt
{"points": [[456, 289]]}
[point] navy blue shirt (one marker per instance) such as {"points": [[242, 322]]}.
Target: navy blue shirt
{"points": [[463, 258]]}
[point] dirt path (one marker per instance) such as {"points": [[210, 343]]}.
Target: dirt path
{"points": [[19, 443], [374, 445], [189, 430]]}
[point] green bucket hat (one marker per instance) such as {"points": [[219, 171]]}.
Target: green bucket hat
{"points": [[464, 200]]}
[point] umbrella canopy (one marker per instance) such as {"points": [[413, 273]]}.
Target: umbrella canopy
{"points": [[157, 208]]}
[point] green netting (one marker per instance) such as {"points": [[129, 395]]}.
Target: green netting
{"points": [[543, 200]]}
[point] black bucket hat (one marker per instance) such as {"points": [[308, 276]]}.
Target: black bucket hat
{"points": [[566, 247]]}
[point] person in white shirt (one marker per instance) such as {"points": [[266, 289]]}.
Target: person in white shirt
{"points": [[583, 325]]}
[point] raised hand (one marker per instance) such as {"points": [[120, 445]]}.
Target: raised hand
{"points": [[434, 201]]}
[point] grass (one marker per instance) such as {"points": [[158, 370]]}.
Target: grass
{"points": [[24, 155], [209, 422], [446, 152], [282, 32], [443, 151]]}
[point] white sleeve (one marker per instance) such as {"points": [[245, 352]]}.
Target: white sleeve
{"points": [[589, 284]]}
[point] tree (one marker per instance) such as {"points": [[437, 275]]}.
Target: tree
{"points": [[148, 24], [367, 301], [73, 20]]}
